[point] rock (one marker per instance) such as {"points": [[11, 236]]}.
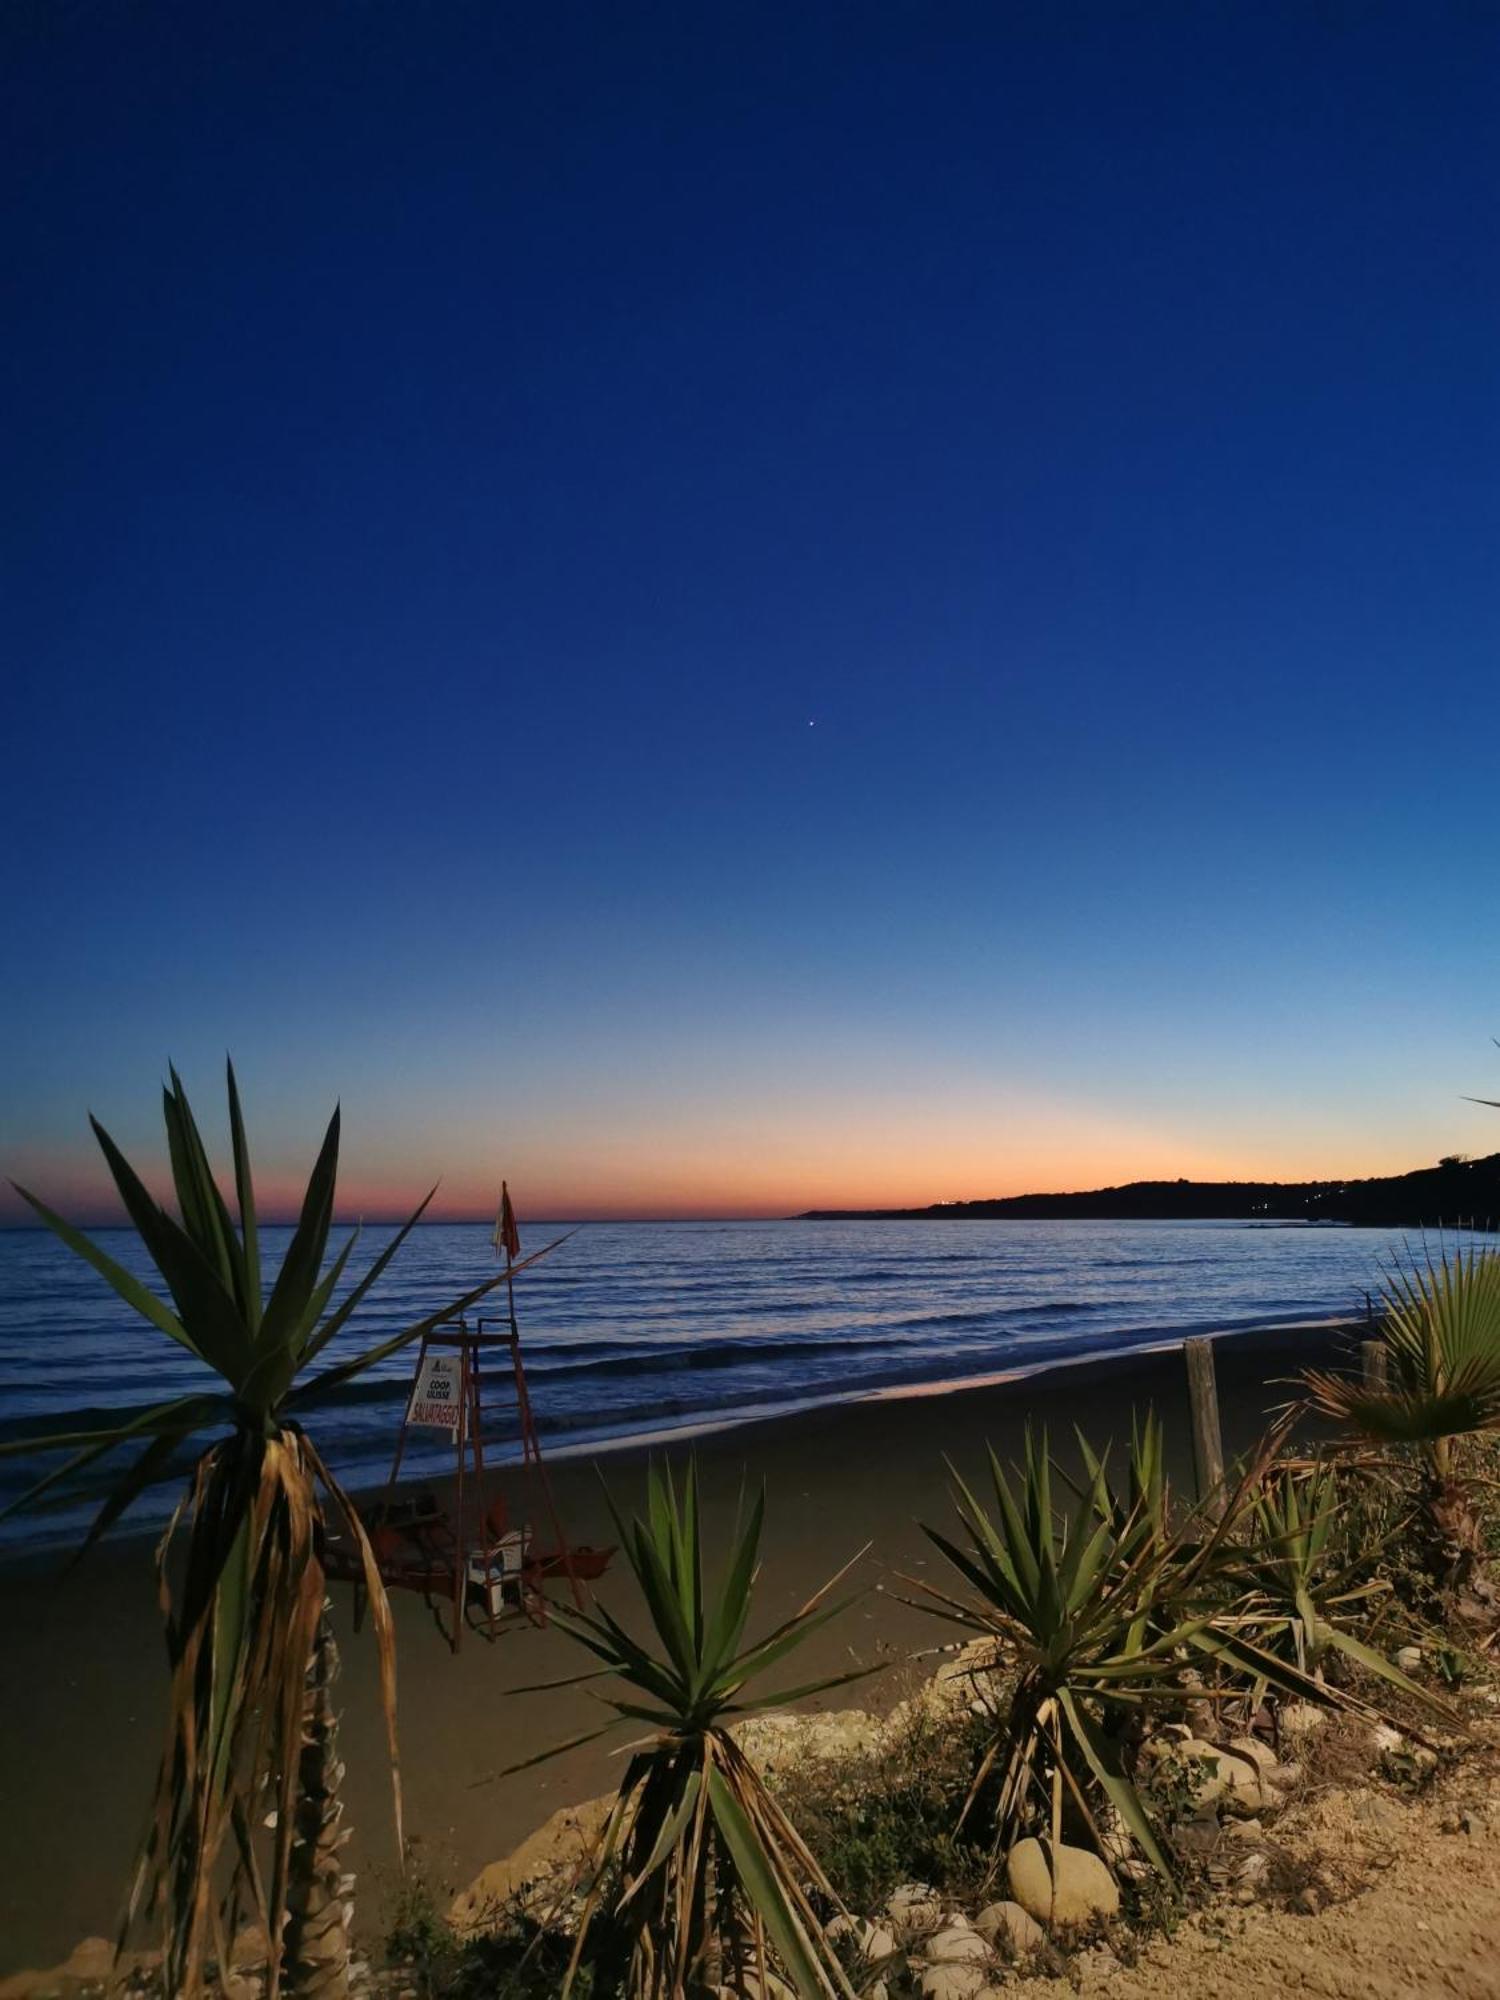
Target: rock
{"points": [[92, 1961], [1409, 1659], [1116, 1844], [953, 1982], [1383, 1738], [1302, 1718], [1245, 1829], [877, 1943], [1248, 1787], [249, 1948], [1255, 1751], [1197, 1764], [1073, 1889], [1008, 1924], [558, 1849], [1210, 1773], [957, 1945], [1201, 1834], [781, 1742], [914, 1911], [1094, 1968]]}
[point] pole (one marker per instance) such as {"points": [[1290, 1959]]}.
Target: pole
{"points": [[1374, 1366], [531, 1450], [1208, 1436], [461, 1539]]}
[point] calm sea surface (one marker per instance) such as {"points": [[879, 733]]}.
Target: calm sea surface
{"points": [[635, 1329]]}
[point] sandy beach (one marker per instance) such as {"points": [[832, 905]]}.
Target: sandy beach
{"points": [[82, 1679]]}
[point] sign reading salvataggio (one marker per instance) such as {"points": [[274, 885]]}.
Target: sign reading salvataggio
{"points": [[435, 1400]]}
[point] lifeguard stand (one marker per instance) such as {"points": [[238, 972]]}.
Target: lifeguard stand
{"points": [[487, 1554]]}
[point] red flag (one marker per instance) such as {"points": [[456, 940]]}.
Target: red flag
{"points": [[507, 1236]]}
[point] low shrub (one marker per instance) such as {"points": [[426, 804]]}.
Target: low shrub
{"points": [[891, 1814]]}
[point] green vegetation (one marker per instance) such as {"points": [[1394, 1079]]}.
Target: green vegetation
{"points": [[703, 1872], [1105, 1613], [894, 1813], [251, 1726], [1108, 1609], [1441, 1329], [1307, 1583]]}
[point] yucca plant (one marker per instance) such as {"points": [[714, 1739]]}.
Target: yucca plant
{"points": [[706, 1876], [1441, 1327], [251, 1733], [1103, 1607], [1303, 1589]]}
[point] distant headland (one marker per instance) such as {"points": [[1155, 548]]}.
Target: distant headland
{"points": [[1455, 1192]]}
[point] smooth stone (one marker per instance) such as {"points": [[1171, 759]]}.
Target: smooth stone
{"points": [[876, 1942], [957, 1945], [1255, 1751], [1202, 1764], [1302, 1718], [1074, 1889], [914, 1911], [1007, 1922]]}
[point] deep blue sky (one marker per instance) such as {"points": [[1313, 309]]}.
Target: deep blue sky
{"points": [[725, 606]]}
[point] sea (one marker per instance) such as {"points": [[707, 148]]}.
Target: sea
{"points": [[649, 1330]]}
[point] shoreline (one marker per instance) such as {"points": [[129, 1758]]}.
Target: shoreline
{"points": [[48, 1543], [82, 1681]]}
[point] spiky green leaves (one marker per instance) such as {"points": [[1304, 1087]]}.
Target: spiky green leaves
{"points": [[243, 1625], [1301, 1589], [709, 1865], [211, 1270], [1102, 1606]]}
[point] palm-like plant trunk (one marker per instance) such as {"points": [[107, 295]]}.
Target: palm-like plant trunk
{"points": [[315, 1943], [1456, 1539]]}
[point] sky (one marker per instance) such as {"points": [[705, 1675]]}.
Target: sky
{"points": [[722, 609]]}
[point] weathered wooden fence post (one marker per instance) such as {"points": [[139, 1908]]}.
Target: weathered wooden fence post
{"points": [[1374, 1365], [1208, 1437]]}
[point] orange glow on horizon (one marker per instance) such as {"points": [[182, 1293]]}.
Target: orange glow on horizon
{"points": [[774, 1178]]}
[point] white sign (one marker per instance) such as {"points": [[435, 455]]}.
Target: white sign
{"points": [[436, 1399]]}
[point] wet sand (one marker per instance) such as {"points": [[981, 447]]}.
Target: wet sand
{"points": [[82, 1676]]}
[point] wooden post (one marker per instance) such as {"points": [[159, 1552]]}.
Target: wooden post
{"points": [[1374, 1365], [1208, 1437]]}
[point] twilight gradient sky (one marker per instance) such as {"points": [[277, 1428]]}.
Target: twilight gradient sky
{"points": [[727, 607]]}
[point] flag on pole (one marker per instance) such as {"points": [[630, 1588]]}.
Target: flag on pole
{"points": [[507, 1236]]}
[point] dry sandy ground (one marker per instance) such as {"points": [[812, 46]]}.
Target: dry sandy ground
{"points": [[1418, 1914]]}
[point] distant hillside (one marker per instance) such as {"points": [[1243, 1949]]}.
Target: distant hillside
{"points": [[1454, 1191]]}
